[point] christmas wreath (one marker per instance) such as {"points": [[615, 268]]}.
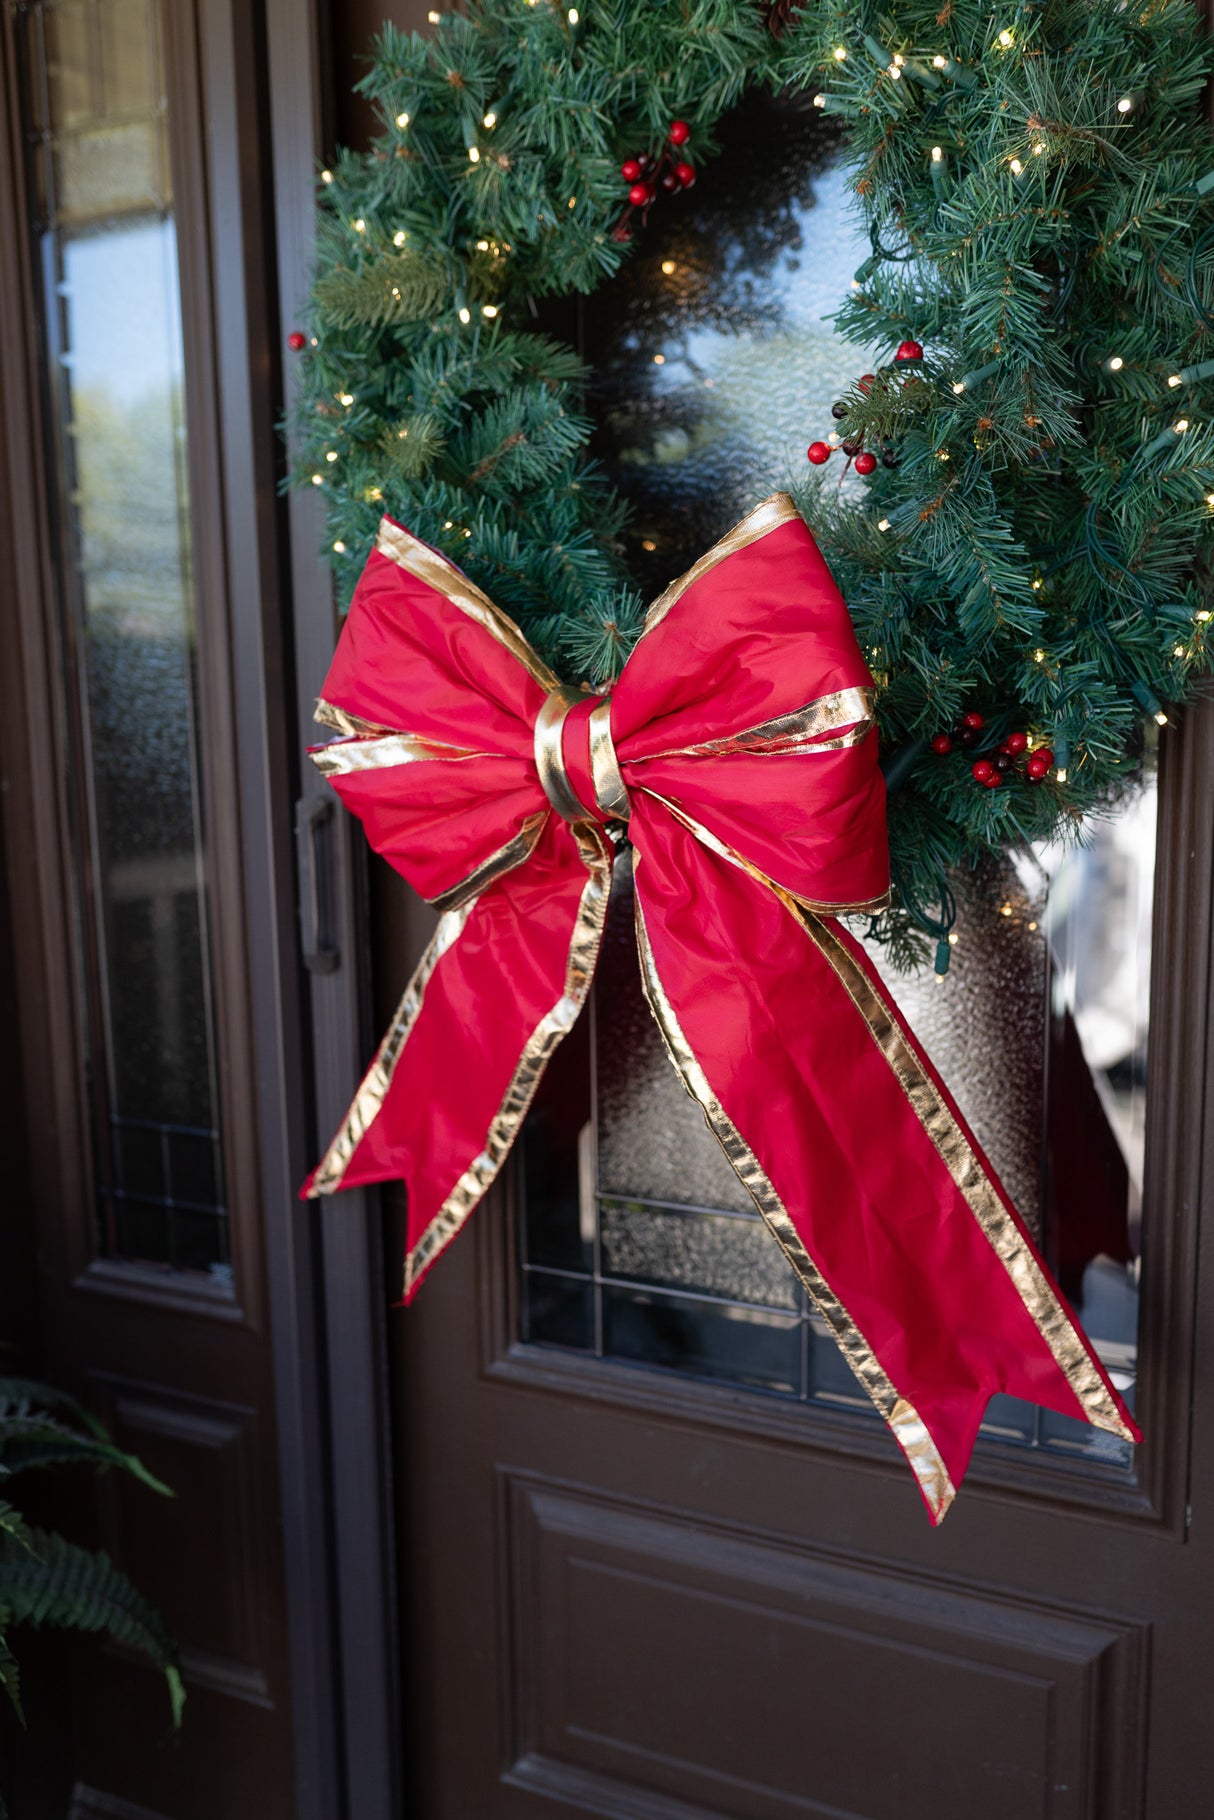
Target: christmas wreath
{"points": [[1024, 563]]}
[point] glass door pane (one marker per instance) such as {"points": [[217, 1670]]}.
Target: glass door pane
{"points": [[714, 368], [98, 167]]}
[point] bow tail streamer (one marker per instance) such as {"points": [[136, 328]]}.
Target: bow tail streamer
{"points": [[500, 985], [855, 1156]]}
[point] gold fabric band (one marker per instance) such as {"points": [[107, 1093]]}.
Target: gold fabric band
{"points": [[383, 752], [902, 1417], [549, 756], [609, 791], [511, 854], [791, 735]]}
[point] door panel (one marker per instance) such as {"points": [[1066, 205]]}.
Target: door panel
{"points": [[659, 1558]]}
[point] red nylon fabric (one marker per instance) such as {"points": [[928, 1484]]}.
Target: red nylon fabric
{"points": [[792, 1061]]}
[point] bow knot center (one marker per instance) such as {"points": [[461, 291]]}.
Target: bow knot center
{"points": [[576, 759]]}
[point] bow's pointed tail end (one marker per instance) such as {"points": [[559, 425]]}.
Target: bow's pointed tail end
{"points": [[858, 1161]]}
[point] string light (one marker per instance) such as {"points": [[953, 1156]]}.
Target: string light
{"points": [[1126, 105], [1203, 369], [433, 18], [840, 54], [668, 266], [1178, 651], [883, 524], [1015, 167], [939, 63], [490, 120], [572, 15], [659, 360], [402, 120], [330, 454], [489, 309], [939, 170], [346, 398], [326, 176], [1181, 425], [1006, 40], [976, 377], [573, 202], [339, 546], [474, 156], [1039, 656], [360, 226], [465, 315], [1116, 363], [1148, 701], [318, 480], [482, 246], [1038, 147], [647, 543]]}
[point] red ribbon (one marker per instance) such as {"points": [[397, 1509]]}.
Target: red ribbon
{"points": [[739, 751]]}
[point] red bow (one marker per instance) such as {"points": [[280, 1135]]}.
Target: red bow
{"points": [[738, 747]]}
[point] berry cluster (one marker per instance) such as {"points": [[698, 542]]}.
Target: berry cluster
{"points": [[853, 446], [993, 769], [649, 173]]}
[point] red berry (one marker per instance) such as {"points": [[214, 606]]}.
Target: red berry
{"points": [[865, 381], [908, 350], [818, 452], [972, 719], [865, 463], [620, 232], [669, 181], [983, 770], [1017, 742], [686, 174], [1005, 749], [297, 340], [679, 133], [994, 780], [639, 195], [1045, 757], [630, 170], [1036, 769], [941, 743]]}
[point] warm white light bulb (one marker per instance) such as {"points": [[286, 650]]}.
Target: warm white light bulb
{"points": [[339, 546], [573, 15], [360, 226], [940, 63], [490, 120], [489, 309], [668, 266], [326, 176], [1181, 425], [482, 246], [1126, 105], [1202, 614], [937, 154], [465, 315], [1039, 656], [883, 524], [432, 17], [1061, 774], [895, 73], [959, 386], [1016, 167], [330, 454], [1116, 364], [1038, 148], [318, 480], [659, 360], [402, 120], [1177, 650], [474, 156], [900, 60], [840, 54], [400, 237], [819, 100], [1161, 719], [1174, 379], [347, 398], [1005, 39]]}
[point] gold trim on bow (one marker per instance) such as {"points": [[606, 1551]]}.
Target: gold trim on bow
{"points": [[342, 721], [908, 1426], [511, 854], [795, 733], [596, 854], [609, 790], [384, 753], [715, 845], [769, 516], [419, 559], [976, 1187], [550, 755], [366, 1104]]}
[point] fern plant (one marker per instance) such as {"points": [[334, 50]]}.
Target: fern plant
{"points": [[46, 1580]]}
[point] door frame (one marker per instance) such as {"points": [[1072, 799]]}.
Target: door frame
{"points": [[254, 75]]}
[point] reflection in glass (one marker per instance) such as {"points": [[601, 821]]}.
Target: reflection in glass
{"points": [[99, 169], [1040, 1028]]}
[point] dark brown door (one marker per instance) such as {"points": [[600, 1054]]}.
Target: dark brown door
{"points": [[139, 436], [658, 1557]]}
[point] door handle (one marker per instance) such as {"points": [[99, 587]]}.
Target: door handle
{"points": [[314, 830]]}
